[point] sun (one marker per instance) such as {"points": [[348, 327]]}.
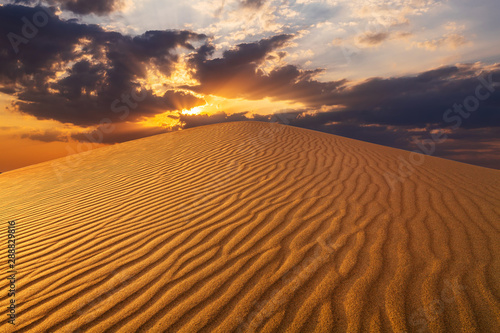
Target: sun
{"points": [[207, 108]]}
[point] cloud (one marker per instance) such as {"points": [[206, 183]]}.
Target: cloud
{"points": [[7, 128], [414, 100], [119, 132], [101, 67], [418, 100], [390, 14], [190, 121], [452, 41], [45, 136], [392, 111], [104, 134], [253, 3], [83, 74], [99, 7], [83, 7], [237, 74], [370, 39], [373, 38], [80, 74]]}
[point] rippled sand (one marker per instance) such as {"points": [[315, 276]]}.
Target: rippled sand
{"points": [[253, 227]]}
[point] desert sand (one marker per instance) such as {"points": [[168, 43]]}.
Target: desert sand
{"points": [[253, 227]]}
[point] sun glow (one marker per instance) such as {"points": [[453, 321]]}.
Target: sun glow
{"points": [[169, 119], [216, 104], [178, 79], [207, 109]]}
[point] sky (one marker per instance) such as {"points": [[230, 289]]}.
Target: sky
{"points": [[81, 74]]}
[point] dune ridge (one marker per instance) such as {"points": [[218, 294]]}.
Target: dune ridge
{"points": [[253, 227]]}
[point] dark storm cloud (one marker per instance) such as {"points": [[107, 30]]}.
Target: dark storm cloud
{"points": [[401, 101], [103, 68], [422, 99], [479, 146], [83, 7], [99, 7], [237, 74]]}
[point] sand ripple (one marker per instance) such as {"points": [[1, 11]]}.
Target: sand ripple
{"points": [[253, 227]]}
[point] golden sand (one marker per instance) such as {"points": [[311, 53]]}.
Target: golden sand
{"points": [[253, 227]]}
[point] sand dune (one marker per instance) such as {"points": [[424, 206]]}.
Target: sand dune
{"points": [[253, 227]]}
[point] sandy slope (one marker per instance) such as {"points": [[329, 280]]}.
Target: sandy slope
{"points": [[253, 227]]}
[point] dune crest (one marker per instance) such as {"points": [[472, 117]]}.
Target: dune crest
{"points": [[253, 227]]}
